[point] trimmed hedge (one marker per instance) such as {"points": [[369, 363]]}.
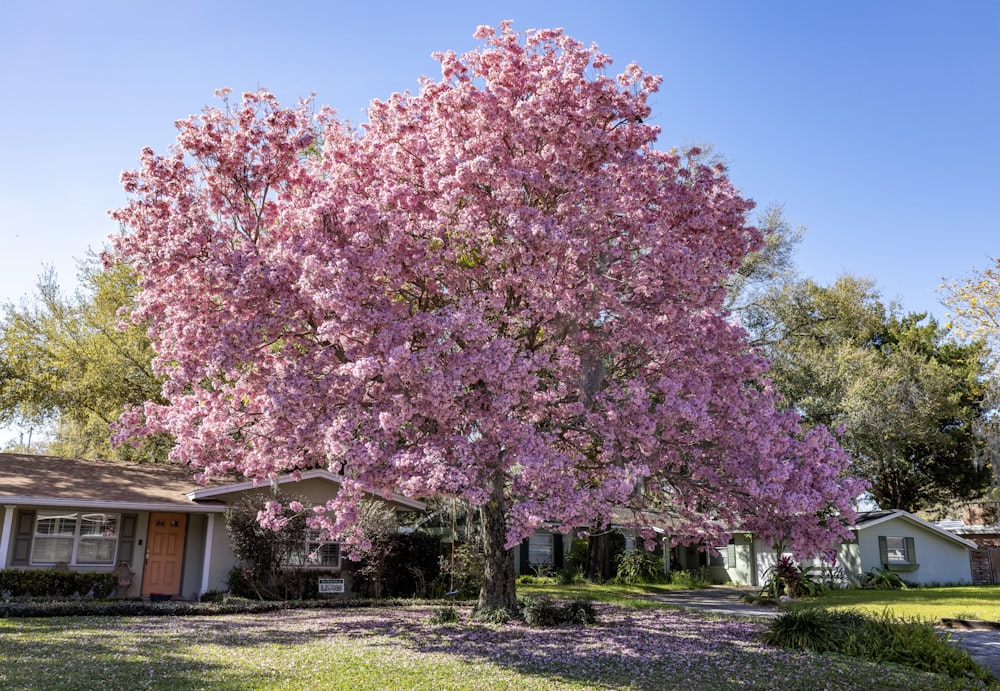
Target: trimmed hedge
{"points": [[34, 608], [50, 583]]}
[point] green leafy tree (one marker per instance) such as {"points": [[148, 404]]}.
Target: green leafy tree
{"points": [[909, 399], [68, 371], [764, 271]]}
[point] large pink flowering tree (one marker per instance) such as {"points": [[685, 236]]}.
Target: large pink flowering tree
{"points": [[496, 289]]}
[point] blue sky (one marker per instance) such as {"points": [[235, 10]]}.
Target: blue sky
{"points": [[874, 123]]}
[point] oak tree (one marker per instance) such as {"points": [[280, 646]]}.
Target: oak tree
{"points": [[68, 371]]}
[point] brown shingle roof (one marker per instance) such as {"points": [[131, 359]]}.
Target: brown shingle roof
{"points": [[113, 482]]}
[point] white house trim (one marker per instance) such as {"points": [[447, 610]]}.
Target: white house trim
{"points": [[8, 524], [206, 562]]}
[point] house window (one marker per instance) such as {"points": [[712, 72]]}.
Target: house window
{"points": [[75, 538], [897, 553], [540, 549], [321, 553], [895, 550]]}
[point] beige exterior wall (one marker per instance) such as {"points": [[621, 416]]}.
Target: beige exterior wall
{"points": [[222, 557]]}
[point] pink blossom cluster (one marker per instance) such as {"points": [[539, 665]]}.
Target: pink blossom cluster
{"points": [[496, 279]]}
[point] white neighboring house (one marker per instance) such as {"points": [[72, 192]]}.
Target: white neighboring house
{"points": [[167, 529], [920, 552]]}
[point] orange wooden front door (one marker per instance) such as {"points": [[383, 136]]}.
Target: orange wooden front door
{"points": [[164, 553]]}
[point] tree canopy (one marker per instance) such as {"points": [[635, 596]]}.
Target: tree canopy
{"points": [[496, 289], [908, 397], [975, 303], [67, 370]]}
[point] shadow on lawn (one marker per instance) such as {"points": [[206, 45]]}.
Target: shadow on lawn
{"points": [[46, 654], [642, 649], [629, 647]]}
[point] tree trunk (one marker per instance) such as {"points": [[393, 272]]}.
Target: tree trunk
{"points": [[498, 578], [599, 566]]}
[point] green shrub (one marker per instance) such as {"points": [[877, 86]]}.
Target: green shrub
{"points": [[445, 615], [413, 565], [50, 583], [878, 638], [270, 558], [577, 555], [883, 579], [541, 611], [580, 612], [639, 566], [498, 615], [462, 573], [806, 629], [789, 578], [569, 576], [46, 607], [691, 579]]}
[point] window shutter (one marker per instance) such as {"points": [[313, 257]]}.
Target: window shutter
{"points": [[911, 551], [883, 550], [731, 556], [24, 531], [525, 566], [557, 550], [126, 541]]}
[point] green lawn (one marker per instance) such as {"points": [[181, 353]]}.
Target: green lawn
{"points": [[624, 595], [397, 648], [956, 602]]}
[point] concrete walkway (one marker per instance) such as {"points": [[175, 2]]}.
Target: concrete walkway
{"points": [[982, 644], [719, 599]]}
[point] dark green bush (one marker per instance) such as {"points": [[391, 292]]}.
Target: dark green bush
{"points": [[498, 616], [580, 612], [883, 579], [541, 611], [38, 607], [639, 566], [412, 567], [445, 615], [878, 638], [50, 583]]}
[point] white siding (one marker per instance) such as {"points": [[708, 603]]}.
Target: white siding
{"points": [[738, 559], [940, 560]]}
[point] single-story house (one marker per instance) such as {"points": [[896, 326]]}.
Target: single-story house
{"points": [[919, 551], [169, 531]]}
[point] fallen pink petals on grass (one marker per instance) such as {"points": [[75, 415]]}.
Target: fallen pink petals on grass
{"points": [[397, 648]]}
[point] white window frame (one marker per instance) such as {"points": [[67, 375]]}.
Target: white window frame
{"points": [[314, 545], [109, 521]]}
